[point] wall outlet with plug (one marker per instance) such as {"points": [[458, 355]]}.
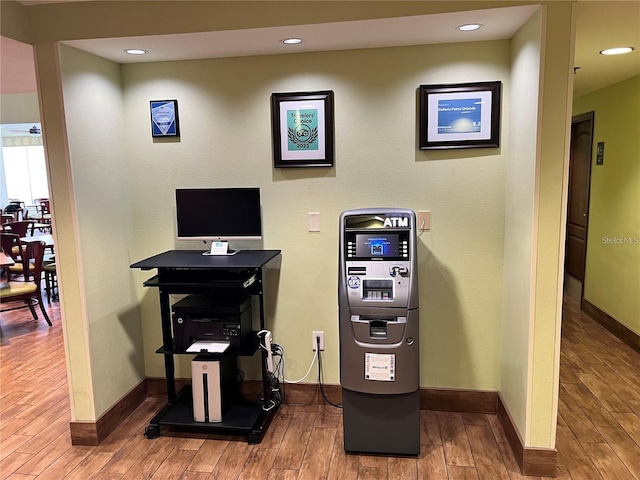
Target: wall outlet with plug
{"points": [[318, 338]]}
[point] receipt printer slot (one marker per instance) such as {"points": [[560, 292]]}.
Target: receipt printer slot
{"points": [[357, 270]]}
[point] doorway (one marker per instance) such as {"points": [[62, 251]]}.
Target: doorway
{"points": [[578, 203]]}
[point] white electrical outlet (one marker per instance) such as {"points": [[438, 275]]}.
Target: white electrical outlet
{"points": [[318, 337]]}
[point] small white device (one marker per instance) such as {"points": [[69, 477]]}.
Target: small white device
{"points": [[220, 248], [267, 346]]}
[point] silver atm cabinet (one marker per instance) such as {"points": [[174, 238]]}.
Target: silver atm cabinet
{"points": [[379, 329]]}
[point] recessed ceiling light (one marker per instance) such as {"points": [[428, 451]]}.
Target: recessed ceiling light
{"points": [[135, 51], [291, 41], [616, 51], [469, 27]]}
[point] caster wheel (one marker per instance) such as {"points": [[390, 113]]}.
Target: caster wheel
{"points": [[152, 431]]}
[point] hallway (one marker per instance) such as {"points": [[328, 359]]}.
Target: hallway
{"points": [[599, 407]]}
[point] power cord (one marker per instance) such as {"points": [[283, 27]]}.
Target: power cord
{"points": [[324, 395], [313, 360], [274, 392], [278, 361], [273, 389]]}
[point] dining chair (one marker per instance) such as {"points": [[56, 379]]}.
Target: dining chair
{"points": [[18, 246], [44, 210], [21, 227], [15, 209], [50, 281], [12, 246], [27, 292]]}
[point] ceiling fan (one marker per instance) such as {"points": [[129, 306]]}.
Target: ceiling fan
{"points": [[34, 130]]}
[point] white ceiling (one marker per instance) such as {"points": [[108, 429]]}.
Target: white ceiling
{"points": [[389, 32], [600, 24]]}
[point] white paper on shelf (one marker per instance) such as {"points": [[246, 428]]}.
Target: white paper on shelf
{"points": [[211, 347]]}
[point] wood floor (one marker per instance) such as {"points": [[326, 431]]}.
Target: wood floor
{"points": [[598, 426]]}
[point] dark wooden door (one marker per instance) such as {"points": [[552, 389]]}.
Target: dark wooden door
{"points": [[578, 201]]}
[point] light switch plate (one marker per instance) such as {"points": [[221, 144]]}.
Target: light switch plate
{"points": [[313, 221]]}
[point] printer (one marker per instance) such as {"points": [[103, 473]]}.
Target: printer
{"points": [[212, 318]]}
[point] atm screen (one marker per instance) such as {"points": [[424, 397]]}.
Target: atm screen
{"points": [[382, 246]]}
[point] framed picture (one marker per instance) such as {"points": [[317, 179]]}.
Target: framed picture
{"points": [[164, 118], [302, 128], [464, 115]]}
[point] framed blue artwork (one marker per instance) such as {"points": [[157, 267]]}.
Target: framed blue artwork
{"points": [[164, 118], [463, 115], [303, 129]]}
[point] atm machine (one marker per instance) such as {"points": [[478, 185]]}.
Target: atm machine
{"points": [[379, 331]]}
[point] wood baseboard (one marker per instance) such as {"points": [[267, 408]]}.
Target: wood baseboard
{"points": [[532, 461], [623, 333], [452, 400], [538, 462], [93, 433]]}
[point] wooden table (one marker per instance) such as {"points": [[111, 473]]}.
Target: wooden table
{"points": [[46, 238], [6, 260]]}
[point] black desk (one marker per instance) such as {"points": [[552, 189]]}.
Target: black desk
{"points": [[190, 272]]}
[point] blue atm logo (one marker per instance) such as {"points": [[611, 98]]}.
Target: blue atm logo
{"points": [[395, 222]]}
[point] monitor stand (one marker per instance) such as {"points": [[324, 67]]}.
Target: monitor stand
{"points": [[220, 248]]}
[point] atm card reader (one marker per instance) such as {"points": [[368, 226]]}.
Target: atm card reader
{"points": [[399, 270]]}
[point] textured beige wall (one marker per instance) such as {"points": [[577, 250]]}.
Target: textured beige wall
{"points": [[65, 230], [226, 141], [19, 108], [94, 111], [552, 168], [519, 252]]}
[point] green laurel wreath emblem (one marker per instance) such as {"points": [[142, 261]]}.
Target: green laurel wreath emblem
{"points": [[291, 133]]}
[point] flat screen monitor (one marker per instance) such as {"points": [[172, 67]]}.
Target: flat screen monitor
{"points": [[218, 214]]}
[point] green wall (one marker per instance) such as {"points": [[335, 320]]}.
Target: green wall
{"points": [[612, 276]]}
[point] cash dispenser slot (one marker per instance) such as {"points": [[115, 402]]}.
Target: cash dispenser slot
{"points": [[378, 329], [377, 289], [370, 329]]}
